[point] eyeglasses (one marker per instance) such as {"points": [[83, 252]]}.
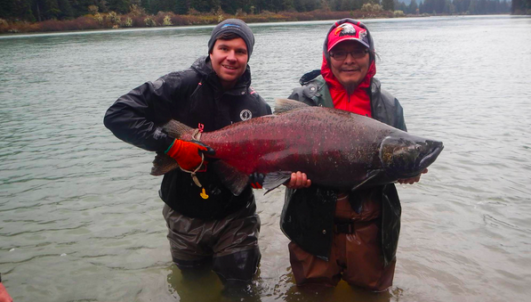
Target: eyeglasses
{"points": [[340, 55]]}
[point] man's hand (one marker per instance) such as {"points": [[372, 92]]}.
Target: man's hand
{"points": [[4, 295], [298, 181], [188, 154], [412, 180]]}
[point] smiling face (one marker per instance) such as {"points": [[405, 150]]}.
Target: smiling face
{"points": [[350, 71], [229, 60]]}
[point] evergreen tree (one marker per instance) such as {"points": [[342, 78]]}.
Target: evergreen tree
{"points": [[449, 8], [505, 7], [204, 5], [119, 6], [288, 5], [481, 7], [181, 7], [276, 5], [472, 7], [299, 5], [231, 7], [335, 5], [388, 5], [66, 11], [160, 6], [51, 9], [261, 5], [400, 6], [6, 9], [80, 7], [357, 4], [439, 6], [412, 8], [345, 5], [21, 9], [312, 4]]}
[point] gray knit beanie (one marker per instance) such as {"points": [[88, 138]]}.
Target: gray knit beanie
{"points": [[235, 26]]}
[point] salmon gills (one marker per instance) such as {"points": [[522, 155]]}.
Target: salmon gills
{"points": [[335, 148]]}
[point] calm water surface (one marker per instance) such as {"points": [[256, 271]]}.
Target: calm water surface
{"points": [[80, 219]]}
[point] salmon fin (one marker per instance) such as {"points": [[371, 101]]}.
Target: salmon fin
{"points": [[284, 105], [230, 177], [163, 164], [372, 174], [176, 129], [275, 179]]}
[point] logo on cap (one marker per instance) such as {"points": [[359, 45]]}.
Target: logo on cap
{"points": [[345, 29], [348, 31], [228, 24]]}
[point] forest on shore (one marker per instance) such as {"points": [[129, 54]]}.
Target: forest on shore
{"points": [[24, 16]]}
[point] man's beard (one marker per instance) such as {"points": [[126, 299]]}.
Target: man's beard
{"points": [[350, 87]]}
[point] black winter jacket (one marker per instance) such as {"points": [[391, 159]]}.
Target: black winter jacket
{"points": [[193, 96], [308, 214]]}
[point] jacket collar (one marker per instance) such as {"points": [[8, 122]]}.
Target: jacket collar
{"points": [[203, 66]]}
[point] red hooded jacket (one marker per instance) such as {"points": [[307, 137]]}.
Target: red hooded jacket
{"points": [[359, 101]]}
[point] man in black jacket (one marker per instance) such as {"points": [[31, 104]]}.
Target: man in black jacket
{"points": [[208, 227]]}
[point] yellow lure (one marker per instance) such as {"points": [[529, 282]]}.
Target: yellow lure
{"points": [[203, 194]]}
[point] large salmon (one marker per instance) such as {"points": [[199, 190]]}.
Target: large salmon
{"points": [[335, 148]]}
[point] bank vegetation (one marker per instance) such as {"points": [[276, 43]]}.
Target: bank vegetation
{"points": [[26, 16]]}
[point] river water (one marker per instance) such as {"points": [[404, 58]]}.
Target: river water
{"points": [[80, 218]]}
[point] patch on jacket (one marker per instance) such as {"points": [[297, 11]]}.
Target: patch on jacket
{"points": [[246, 114]]}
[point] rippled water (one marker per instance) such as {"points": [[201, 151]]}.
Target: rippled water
{"points": [[80, 219]]}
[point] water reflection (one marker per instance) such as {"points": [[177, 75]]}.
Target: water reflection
{"points": [[199, 286], [205, 286]]}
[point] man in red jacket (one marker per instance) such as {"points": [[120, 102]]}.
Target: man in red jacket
{"points": [[349, 235]]}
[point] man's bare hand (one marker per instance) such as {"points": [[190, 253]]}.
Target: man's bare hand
{"points": [[411, 180], [299, 180]]}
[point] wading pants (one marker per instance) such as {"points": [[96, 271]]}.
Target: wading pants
{"points": [[356, 254], [229, 246]]}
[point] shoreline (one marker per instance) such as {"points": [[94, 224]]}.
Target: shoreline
{"points": [[111, 21], [132, 20]]}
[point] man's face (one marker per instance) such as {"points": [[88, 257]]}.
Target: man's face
{"points": [[352, 69], [229, 60]]}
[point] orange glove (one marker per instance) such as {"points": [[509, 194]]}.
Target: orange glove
{"points": [[188, 154]]}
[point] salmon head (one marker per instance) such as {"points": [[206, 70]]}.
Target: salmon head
{"points": [[408, 156]]}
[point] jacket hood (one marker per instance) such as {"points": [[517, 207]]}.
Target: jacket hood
{"points": [[326, 72]]}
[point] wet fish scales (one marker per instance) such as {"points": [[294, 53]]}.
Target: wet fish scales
{"points": [[334, 148]]}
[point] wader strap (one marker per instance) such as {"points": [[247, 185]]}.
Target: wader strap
{"points": [[344, 227], [196, 135]]}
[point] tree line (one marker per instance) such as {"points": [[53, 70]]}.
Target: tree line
{"points": [[41, 10], [453, 7]]}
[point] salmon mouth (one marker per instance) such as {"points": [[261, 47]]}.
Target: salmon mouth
{"points": [[435, 148]]}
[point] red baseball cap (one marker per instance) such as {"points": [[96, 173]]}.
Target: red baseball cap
{"points": [[348, 32]]}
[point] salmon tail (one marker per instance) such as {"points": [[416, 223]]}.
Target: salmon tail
{"points": [[176, 129], [232, 178], [284, 105], [163, 164]]}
